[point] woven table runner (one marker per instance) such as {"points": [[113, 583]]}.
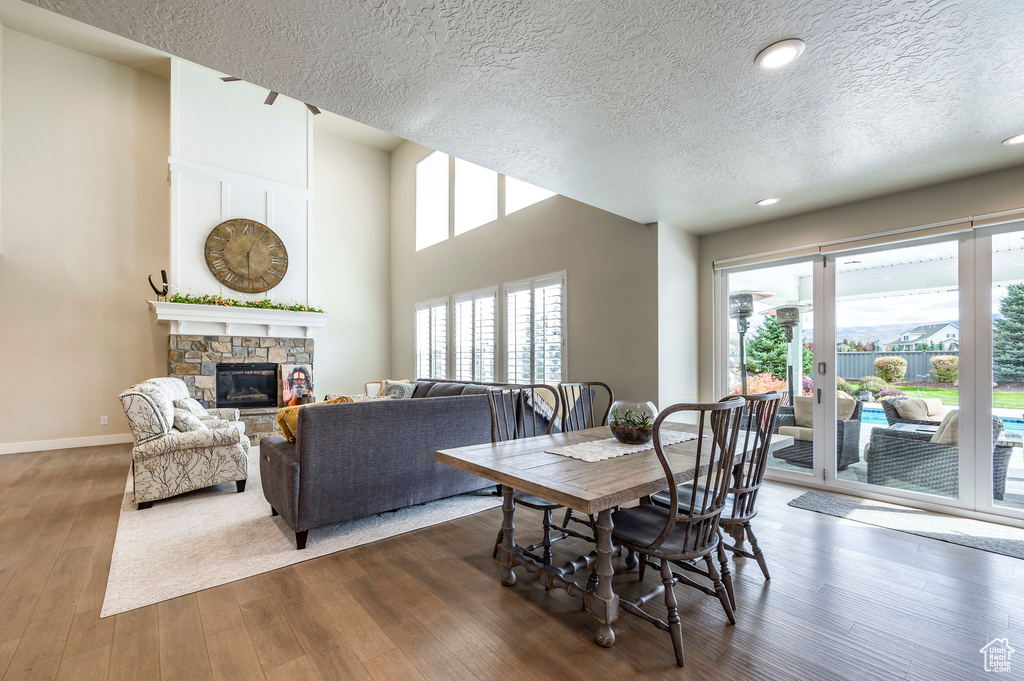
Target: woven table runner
{"points": [[609, 448]]}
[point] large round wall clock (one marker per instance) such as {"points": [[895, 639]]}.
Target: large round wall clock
{"points": [[246, 255]]}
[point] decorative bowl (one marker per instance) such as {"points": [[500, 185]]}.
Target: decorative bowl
{"points": [[632, 423]]}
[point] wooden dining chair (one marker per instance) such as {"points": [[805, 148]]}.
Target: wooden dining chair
{"points": [[520, 412], [676, 533], [579, 412], [757, 424]]}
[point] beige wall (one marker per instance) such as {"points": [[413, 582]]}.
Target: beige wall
{"points": [[989, 193], [350, 262], [85, 205], [612, 278]]}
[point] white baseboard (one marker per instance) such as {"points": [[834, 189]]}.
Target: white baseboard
{"points": [[66, 443]]}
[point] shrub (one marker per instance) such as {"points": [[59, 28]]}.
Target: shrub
{"points": [[889, 393], [891, 369], [945, 368], [762, 383], [808, 385], [873, 384], [844, 386]]}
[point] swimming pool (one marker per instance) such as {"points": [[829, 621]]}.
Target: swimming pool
{"points": [[874, 416]]}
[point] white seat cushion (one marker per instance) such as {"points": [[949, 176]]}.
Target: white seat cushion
{"points": [[798, 433]]}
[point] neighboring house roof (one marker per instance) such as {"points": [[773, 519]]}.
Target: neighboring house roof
{"points": [[920, 333]]}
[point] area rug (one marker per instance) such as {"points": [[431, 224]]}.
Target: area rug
{"points": [[214, 536], [976, 534]]}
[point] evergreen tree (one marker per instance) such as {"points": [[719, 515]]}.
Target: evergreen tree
{"points": [[768, 350], [1008, 341]]}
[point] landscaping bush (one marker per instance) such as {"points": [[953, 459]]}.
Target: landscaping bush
{"points": [[762, 383], [945, 368], [889, 393], [873, 384], [891, 369], [808, 385], [844, 386]]}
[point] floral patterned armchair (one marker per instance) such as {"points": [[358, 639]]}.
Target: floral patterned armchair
{"points": [[179, 446]]}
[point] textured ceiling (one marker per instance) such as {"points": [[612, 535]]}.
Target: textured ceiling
{"points": [[646, 108]]}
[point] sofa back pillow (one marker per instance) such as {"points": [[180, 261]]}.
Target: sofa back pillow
{"points": [[912, 408], [446, 389], [186, 421], [845, 406], [949, 430], [400, 390]]}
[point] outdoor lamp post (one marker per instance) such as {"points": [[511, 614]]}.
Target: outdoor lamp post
{"points": [[788, 318], [741, 308]]}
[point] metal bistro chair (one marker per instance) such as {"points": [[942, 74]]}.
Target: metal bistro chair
{"points": [[674, 534], [515, 414], [579, 413], [757, 425]]}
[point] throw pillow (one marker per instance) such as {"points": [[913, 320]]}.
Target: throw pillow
{"points": [[192, 406], [949, 430], [845, 406], [385, 381], [912, 408], [399, 390], [184, 420]]}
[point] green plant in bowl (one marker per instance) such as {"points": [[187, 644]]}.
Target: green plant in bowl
{"points": [[633, 425]]}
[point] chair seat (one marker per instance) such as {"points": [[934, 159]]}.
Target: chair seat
{"points": [[663, 499], [641, 525], [536, 503]]}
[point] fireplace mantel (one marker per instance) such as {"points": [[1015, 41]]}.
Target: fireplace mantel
{"points": [[220, 320]]}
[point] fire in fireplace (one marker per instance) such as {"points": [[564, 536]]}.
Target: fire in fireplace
{"points": [[246, 385]]}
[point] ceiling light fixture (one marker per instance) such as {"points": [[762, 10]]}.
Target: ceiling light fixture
{"points": [[768, 202], [780, 53], [1016, 139]]}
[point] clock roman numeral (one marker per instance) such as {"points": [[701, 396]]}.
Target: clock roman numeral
{"points": [[274, 246], [248, 228], [217, 253], [218, 238], [265, 282], [264, 234], [233, 230], [273, 270], [277, 260]]}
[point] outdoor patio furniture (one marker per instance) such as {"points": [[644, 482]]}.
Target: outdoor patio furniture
{"points": [[893, 416], [907, 459], [801, 452]]}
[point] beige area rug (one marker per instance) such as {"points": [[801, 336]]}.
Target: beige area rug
{"points": [[214, 536]]}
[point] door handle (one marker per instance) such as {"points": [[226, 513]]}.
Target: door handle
{"points": [[819, 395]]}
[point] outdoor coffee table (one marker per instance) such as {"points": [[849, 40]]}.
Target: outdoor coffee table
{"points": [[592, 488]]}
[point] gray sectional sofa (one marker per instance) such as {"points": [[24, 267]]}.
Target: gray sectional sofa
{"points": [[353, 460]]}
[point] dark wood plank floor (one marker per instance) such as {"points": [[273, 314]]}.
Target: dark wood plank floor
{"points": [[847, 601]]}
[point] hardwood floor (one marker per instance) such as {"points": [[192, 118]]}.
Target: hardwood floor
{"points": [[847, 601]]}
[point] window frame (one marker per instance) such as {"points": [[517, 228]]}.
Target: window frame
{"points": [[430, 305], [472, 296], [533, 284]]}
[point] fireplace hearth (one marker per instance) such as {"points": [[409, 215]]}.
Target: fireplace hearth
{"points": [[246, 385]]}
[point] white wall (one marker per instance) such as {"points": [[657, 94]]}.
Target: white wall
{"points": [[989, 193], [612, 273], [234, 157], [677, 315], [351, 261], [85, 206]]}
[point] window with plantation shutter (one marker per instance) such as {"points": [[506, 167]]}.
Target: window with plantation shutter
{"points": [[432, 339], [534, 324], [475, 336]]}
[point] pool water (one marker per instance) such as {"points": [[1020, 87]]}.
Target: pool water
{"points": [[874, 416]]}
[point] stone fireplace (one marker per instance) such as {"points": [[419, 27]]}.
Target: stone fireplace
{"points": [[194, 360]]}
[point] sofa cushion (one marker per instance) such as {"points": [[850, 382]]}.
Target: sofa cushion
{"points": [[798, 433], [184, 420], [422, 388], [803, 411], [399, 390], [917, 409], [192, 406], [446, 389], [473, 389], [845, 406], [949, 430]]}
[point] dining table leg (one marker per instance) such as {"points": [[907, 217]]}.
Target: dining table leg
{"points": [[505, 555], [602, 603]]}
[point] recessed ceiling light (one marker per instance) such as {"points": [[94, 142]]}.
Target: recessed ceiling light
{"points": [[1016, 139], [780, 53], [768, 202]]}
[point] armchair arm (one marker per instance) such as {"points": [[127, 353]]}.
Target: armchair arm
{"points": [[193, 439], [784, 420], [227, 413], [905, 459]]}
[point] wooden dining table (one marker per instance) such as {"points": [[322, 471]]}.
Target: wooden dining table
{"points": [[593, 488]]}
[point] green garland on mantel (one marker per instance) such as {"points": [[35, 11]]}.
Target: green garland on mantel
{"points": [[265, 304]]}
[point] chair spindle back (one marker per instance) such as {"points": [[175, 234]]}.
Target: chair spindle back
{"points": [[578, 409], [514, 411], [757, 424]]}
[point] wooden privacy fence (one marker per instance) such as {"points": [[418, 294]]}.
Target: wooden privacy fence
{"points": [[855, 365]]}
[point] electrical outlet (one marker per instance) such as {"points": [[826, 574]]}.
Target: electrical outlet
{"points": [[103, 420]]}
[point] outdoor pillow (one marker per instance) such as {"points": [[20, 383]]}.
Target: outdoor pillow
{"points": [[912, 408], [936, 410], [949, 430], [845, 406], [192, 406], [184, 420], [803, 411]]}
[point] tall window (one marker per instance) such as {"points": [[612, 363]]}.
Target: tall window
{"points": [[432, 200], [475, 332], [454, 196], [534, 330], [476, 196], [432, 339]]}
